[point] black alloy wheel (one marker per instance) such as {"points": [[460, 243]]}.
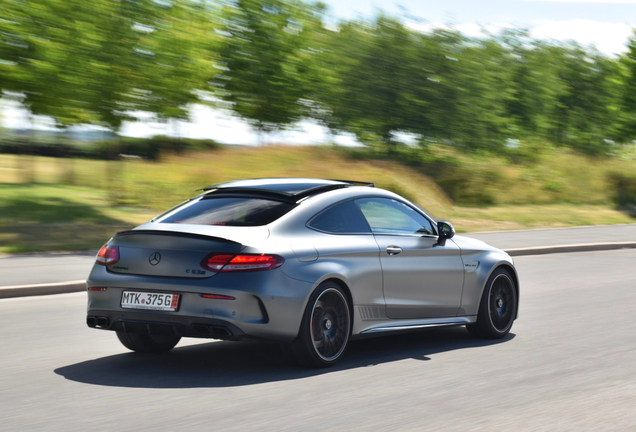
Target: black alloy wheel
{"points": [[501, 303], [498, 307], [330, 324], [325, 329]]}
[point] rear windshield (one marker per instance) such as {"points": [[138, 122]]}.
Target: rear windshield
{"points": [[229, 212]]}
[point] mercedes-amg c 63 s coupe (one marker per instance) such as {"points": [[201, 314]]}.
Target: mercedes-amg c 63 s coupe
{"points": [[306, 262]]}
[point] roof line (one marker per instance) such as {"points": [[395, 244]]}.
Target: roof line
{"points": [[355, 182], [218, 189], [234, 189]]}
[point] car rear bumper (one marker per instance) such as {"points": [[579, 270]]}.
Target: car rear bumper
{"points": [[156, 324], [266, 305]]}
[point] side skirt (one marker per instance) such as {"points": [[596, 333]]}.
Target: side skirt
{"points": [[418, 324]]}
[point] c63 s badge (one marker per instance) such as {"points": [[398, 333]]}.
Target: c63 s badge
{"points": [[195, 271]]}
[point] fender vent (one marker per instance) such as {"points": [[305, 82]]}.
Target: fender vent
{"points": [[369, 312]]}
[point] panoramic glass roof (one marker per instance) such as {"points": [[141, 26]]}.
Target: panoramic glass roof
{"points": [[288, 186]]}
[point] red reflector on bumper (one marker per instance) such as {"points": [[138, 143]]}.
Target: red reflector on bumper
{"points": [[97, 288], [216, 297]]}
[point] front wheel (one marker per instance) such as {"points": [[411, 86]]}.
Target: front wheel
{"points": [[498, 307], [325, 328], [142, 343]]}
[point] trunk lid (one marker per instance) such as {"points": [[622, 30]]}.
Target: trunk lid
{"points": [[167, 253]]}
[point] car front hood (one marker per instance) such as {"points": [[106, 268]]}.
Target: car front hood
{"points": [[467, 244], [247, 236]]}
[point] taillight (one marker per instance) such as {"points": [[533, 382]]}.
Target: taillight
{"points": [[240, 263], [253, 262], [107, 255], [215, 262]]}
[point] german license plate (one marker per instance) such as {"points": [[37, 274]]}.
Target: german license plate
{"points": [[149, 301]]}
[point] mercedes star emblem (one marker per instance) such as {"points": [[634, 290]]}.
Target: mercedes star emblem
{"points": [[154, 258]]}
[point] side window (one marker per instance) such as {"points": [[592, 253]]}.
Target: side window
{"points": [[343, 218], [388, 216]]}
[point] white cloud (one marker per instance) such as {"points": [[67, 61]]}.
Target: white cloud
{"points": [[471, 30], [609, 37], [223, 127], [13, 115]]}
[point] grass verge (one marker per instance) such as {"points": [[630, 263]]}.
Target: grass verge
{"points": [[100, 198], [60, 218]]}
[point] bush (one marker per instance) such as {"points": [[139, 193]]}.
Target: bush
{"points": [[147, 148], [624, 188], [467, 189], [42, 147]]}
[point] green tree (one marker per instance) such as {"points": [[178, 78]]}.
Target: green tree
{"points": [[265, 57], [74, 58], [470, 89], [374, 81], [12, 46], [178, 55], [582, 117], [98, 62], [628, 102], [533, 84]]}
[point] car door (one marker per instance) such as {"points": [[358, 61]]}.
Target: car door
{"points": [[347, 247], [421, 279]]}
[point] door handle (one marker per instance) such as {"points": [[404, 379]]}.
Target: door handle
{"points": [[393, 250]]}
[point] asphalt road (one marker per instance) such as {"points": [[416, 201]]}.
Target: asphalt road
{"points": [[45, 268], [569, 364], [558, 236]]}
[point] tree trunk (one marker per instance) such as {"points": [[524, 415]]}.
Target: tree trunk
{"points": [[28, 158], [389, 144], [67, 163], [112, 165]]}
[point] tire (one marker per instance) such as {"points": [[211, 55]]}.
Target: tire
{"points": [[325, 328], [142, 343], [498, 307]]}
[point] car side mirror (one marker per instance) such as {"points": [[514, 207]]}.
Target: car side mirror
{"points": [[446, 231]]}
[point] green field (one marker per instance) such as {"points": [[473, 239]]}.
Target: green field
{"points": [[36, 217], [78, 204]]}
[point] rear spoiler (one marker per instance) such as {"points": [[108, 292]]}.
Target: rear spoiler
{"points": [[173, 234]]}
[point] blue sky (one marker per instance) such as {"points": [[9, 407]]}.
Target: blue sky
{"points": [[491, 11], [605, 24]]}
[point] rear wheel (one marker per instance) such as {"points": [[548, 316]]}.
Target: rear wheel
{"points": [[325, 328], [498, 307], [142, 343]]}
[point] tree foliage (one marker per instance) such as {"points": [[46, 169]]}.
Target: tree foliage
{"points": [[266, 59], [275, 62], [628, 102], [100, 61], [374, 92]]}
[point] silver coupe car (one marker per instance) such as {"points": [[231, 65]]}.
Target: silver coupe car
{"points": [[306, 262]]}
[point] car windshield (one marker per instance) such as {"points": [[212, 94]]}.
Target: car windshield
{"points": [[229, 211]]}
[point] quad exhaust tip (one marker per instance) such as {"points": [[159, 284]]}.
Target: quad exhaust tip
{"points": [[205, 330], [212, 331], [93, 322]]}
